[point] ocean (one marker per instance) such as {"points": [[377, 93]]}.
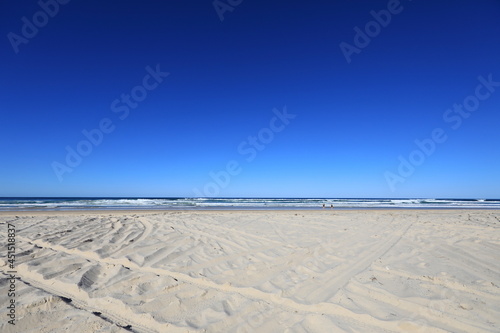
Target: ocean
{"points": [[106, 203]]}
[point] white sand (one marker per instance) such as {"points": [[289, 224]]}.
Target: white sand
{"points": [[259, 271]]}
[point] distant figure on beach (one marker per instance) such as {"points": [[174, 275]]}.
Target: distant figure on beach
{"points": [[331, 206], [323, 206]]}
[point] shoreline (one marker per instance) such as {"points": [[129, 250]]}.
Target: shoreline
{"points": [[238, 210], [239, 204]]}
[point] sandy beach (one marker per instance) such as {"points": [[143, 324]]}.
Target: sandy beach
{"points": [[252, 271]]}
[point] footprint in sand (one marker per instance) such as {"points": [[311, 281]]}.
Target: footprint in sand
{"points": [[465, 306], [423, 265]]}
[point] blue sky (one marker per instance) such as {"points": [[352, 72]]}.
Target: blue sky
{"points": [[353, 123]]}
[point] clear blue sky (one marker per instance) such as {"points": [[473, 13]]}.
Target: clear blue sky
{"points": [[353, 120]]}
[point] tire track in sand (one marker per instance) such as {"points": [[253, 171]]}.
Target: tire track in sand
{"points": [[145, 323], [109, 308], [341, 275]]}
